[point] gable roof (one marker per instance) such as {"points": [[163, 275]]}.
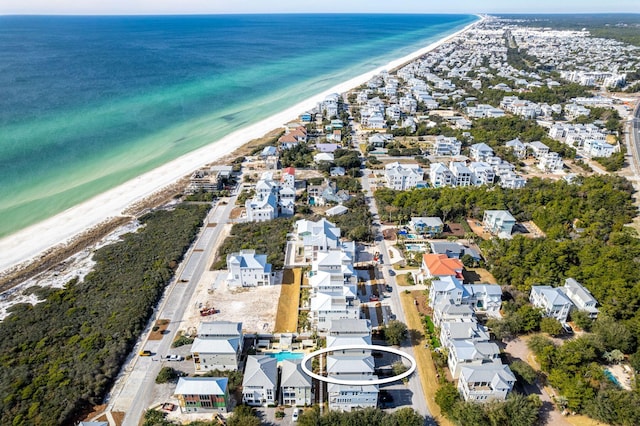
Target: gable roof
{"points": [[261, 370], [292, 374]]}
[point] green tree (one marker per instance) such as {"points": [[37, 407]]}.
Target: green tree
{"points": [[470, 413], [243, 415], [166, 375], [529, 318], [550, 326], [404, 417], [522, 410], [582, 320], [395, 332], [524, 372], [447, 397], [614, 334]]}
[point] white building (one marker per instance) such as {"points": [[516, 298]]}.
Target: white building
{"points": [[295, 385], [248, 269], [480, 152], [446, 146], [552, 301], [260, 380], [498, 222], [483, 383], [481, 173], [464, 353], [350, 364], [580, 297], [461, 174], [551, 162], [403, 176], [440, 175], [315, 237], [218, 346]]}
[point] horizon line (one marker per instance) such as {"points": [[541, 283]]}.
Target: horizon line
{"points": [[320, 13]]}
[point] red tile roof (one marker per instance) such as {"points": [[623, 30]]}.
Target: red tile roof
{"points": [[441, 265]]}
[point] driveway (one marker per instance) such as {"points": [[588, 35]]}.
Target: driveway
{"points": [[517, 349]]}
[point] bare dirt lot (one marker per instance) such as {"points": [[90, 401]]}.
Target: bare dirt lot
{"points": [[255, 307]]}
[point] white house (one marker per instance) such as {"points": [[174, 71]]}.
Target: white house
{"points": [[483, 383], [498, 222], [461, 174], [463, 353], [481, 151], [262, 208], [295, 385], [481, 173], [550, 162], [248, 269], [440, 175], [326, 308], [518, 148], [485, 298], [446, 289], [446, 146], [471, 330], [350, 364], [260, 380], [217, 346], [446, 312], [598, 148], [538, 149], [552, 301], [315, 237], [403, 176], [580, 297]]}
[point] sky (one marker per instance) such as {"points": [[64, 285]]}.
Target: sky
{"points": [[123, 7]]}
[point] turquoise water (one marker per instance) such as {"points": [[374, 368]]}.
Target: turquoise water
{"points": [[611, 377], [91, 102], [284, 355]]}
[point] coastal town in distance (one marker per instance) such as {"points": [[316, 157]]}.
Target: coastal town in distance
{"points": [[453, 242]]}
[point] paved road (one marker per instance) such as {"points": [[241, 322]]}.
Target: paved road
{"points": [[418, 400], [633, 139], [133, 391]]}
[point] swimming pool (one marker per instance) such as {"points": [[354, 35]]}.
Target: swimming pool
{"points": [[281, 356], [611, 377], [415, 247]]}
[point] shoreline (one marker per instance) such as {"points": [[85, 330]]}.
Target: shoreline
{"points": [[29, 245]]}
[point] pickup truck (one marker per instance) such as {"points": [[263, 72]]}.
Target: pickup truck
{"points": [[174, 358]]}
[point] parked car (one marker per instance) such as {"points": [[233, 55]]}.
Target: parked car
{"points": [[567, 328], [145, 353], [392, 272], [175, 357], [388, 288], [296, 413], [373, 298]]}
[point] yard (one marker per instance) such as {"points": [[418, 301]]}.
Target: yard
{"points": [[426, 368], [287, 316]]}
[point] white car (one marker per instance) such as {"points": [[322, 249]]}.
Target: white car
{"points": [[174, 358], [296, 413]]}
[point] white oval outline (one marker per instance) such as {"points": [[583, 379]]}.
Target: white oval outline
{"points": [[335, 381]]}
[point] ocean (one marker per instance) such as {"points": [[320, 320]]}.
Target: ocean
{"points": [[87, 103]]}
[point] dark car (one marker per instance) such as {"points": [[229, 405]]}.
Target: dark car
{"points": [[392, 272], [388, 288]]}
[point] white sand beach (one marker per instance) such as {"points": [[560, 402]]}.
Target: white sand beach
{"points": [[26, 245]]}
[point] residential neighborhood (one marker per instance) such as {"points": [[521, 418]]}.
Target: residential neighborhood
{"points": [[458, 209]]}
